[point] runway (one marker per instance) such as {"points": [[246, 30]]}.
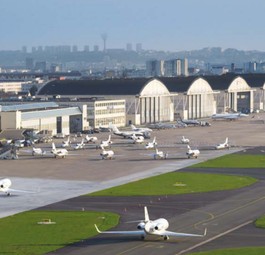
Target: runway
{"points": [[221, 213]]}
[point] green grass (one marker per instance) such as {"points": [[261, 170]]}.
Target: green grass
{"points": [[234, 161], [235, 251], [23, 236], [177, 183], [260, 223]]}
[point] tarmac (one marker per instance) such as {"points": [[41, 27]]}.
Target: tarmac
{"points": [[54, 180]]}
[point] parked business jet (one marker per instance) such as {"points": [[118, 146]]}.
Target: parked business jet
{"points": [[58, 153], [106, 154], [160, 154], [38, 151], [79, 146], [192, 153], [185, 140], [5, 185], [66, 143], [126, 134], [152, 227], [151, 145], [91, 139], [161, 125], [137, 139], [224, 145], [134, 128], [228, 116], [106, 143]]}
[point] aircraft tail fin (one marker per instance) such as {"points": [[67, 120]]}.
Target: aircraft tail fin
{"points": [[114, 128], [53, 147], [146, 215], [109, 138], [133, 127], [188, 147], [154, 139], [226, 140]]}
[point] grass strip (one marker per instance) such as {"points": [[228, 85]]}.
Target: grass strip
{"points": [[177, 183], [234, 161], [21, 233]]}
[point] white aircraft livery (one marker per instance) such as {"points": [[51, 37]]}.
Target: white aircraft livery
{"points": [[5, 185], [152, 227]]}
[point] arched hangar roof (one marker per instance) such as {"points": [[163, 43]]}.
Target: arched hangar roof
{"points": [[94, 87]]}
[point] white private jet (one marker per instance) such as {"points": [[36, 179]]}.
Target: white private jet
{"points": [[58, 153], [143, 129], [228, 116], [137, 139], [160, 154], [192, 153], [38, 151], [91, 139], [106, 154], [5, 185], [126, 134], [80, 146], [66, 143], [151, 145], [185, 140], [106, 143], [152, 227], [224, 145]]}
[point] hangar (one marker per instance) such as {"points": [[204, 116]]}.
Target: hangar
{"points": [[147, 100], [167, 98], [195, 97], [42, 116]]}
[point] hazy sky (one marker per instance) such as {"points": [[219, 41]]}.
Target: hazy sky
{"points": [[158, 24]]}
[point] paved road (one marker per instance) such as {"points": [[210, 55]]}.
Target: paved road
{"points": [[219, 212]]}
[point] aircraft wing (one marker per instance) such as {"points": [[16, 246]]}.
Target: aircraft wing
{"points": [[177, 234], [136, 232], [23, 191]]}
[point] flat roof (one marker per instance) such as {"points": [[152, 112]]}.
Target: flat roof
{"points": [[31, 106]]}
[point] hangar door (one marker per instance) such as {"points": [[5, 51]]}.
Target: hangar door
{"points": [[243, 102]]}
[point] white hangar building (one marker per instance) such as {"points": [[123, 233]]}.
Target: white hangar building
{"points": [[147, 100], [167, 98], [43, 116]]}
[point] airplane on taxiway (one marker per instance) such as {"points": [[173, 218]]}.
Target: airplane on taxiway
{"points": [[156, 227], [58, 153], [5, 185], [228, 116], [106, 154], [224, 145], [185, 140], [151, 145], [192, 153]]}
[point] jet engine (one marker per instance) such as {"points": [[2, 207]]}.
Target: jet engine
{"points": [[141, 226]]}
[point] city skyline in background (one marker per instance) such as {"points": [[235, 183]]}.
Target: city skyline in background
{"points": [[169, 25]]}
